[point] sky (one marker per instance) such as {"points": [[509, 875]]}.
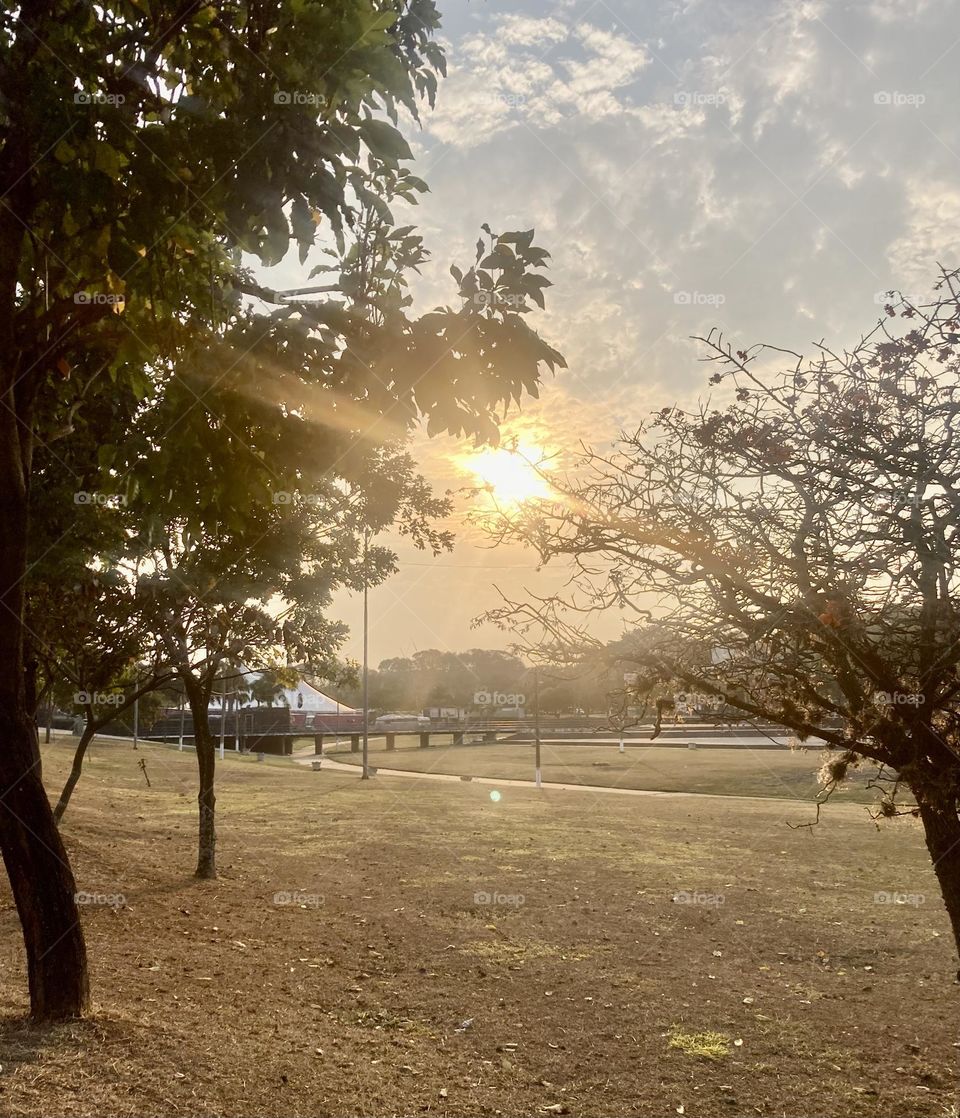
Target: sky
{"points": [[768, 168]]}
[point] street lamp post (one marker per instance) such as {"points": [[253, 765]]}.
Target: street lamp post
{"points": [[365, 775], [223, 714], [536, 722]]}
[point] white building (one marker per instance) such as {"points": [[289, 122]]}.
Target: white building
{"points": [[305, 701]]}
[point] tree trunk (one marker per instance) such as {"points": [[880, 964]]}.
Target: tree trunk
{"points": [[206, 799], [40, 876], [85, 738], [33, 853], [941, 824], [30, 686]]}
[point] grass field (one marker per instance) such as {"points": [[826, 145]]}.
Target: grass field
{"points": [[553, 952], [790, 774]]}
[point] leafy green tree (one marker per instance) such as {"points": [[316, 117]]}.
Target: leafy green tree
{"points": [[83, 624], [253, 589], [90, 632], [143, 149], [435, 678]]}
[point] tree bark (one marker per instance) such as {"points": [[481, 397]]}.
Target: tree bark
{"points": [[206, 763], [941, 825], [36, 862], [85, 738], [42, 882]]}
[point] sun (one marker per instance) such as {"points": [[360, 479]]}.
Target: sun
{"points": [[511, 475]]}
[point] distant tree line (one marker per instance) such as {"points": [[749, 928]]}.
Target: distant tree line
{"points": [[474, 678]]}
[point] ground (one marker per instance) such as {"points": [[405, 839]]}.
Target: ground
{"points": [[786, 773], [551, 952]]}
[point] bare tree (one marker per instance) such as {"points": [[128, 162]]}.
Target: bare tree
{"points": [[791, 547]]}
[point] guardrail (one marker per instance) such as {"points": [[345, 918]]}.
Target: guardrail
{"points": [[458, 735]]}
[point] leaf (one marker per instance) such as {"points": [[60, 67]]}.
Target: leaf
{"points": [[384, 21], [456, 273], [64, 153], [384, 140], [303, 225], [522, 239], [102, 243], [107, 160]]}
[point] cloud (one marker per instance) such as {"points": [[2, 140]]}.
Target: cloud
{"points": [[690, 164], [526, 31], [513, 74], [931, 235]]}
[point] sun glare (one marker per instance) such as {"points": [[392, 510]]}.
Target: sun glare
{"points": [[511, 475]]}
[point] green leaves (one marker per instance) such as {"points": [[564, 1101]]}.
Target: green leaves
{"points": [[384, 21], [522, 240], [385, 141], [502, 281], [303, 225], [107, 160]]}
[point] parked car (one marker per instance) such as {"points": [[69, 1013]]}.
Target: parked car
{"points": [[401, 721]]}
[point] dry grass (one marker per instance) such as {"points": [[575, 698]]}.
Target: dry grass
{"points": [[709, 1045], [780, 773], [389, 988]]}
